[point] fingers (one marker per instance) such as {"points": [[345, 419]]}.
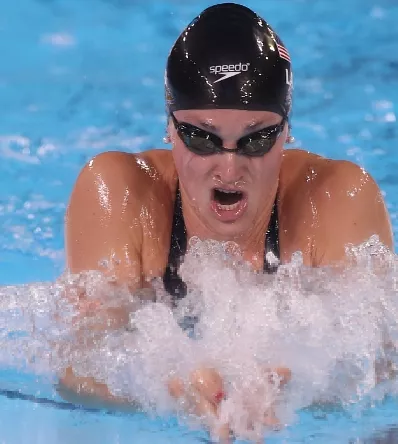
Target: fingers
{"points": [[194, 401], [202, 397], [270, 419], [205, 391], [208, 412], [208, 383]]}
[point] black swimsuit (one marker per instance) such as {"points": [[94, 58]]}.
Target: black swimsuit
{"points": [[173, 284]]}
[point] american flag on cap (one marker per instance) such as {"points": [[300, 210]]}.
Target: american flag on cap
{"points": [[283, 53]]}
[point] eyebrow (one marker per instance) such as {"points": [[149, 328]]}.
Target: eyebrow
{"points": [[249, 127], [207, 125]]}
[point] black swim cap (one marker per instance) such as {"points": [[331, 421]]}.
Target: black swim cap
{"points": [[229, 58]]}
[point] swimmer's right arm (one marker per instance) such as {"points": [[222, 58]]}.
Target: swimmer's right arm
{"points": [[102, 231], [88, 392], [101, 224]]}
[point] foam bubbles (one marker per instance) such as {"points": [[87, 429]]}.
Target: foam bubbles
{"points": [[335, 329], [329, 327]]}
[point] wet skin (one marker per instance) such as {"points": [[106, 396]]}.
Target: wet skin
{"points": [[121, 209]]}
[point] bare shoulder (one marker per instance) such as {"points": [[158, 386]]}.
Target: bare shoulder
{"points": [[113, 174], [116, 167], [117, 201], [327, 204], [311, 173]]}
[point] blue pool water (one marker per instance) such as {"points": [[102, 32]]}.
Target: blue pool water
{"points": [[79, 77]]}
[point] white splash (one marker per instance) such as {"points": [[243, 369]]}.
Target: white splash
{"points": [[336, 330]]}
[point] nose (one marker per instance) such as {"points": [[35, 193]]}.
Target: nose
{"points": [[229, 168]]}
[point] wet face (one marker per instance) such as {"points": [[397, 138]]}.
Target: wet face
{"points": [[227, 193]]}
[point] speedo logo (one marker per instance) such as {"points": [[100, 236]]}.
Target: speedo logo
{"points": [[227, 71]]}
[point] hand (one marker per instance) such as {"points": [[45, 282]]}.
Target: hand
{"points": [[205, 391], [201, 397]]}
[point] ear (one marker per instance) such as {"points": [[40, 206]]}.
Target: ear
{"points": [[290, 138], [167, 137]]}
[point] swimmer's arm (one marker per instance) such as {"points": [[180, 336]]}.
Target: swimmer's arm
{"points": [[358, 213], [351, 209], [101, 225], [86, 391], [89, 393]]}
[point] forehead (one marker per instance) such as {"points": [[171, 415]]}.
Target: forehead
{"points": [[219, 118]]}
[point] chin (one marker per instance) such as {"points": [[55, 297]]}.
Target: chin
{"points": [[230, 231]]}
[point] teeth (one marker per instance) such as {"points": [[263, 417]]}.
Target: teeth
{"points": [[227, 191], [228, 207]]}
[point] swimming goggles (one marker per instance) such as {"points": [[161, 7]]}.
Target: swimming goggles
{"points": [[204, 143]]}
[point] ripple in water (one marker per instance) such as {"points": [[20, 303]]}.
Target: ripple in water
{"points": [[335, 329]]}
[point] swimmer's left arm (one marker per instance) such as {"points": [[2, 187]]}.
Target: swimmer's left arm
{"points": [[350, 209]]}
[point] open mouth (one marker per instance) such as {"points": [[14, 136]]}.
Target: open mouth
{"points": [[227, 199]]}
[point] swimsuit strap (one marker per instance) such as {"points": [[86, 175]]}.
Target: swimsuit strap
{"points": [[173, 284], [272, 239]]}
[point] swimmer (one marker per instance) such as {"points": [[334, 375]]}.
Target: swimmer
{"points": [[227, 177]]}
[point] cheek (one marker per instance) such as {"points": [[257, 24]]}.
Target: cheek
{"points": [[188, 165], [178, 157], [182, 158], [270, 166]]}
